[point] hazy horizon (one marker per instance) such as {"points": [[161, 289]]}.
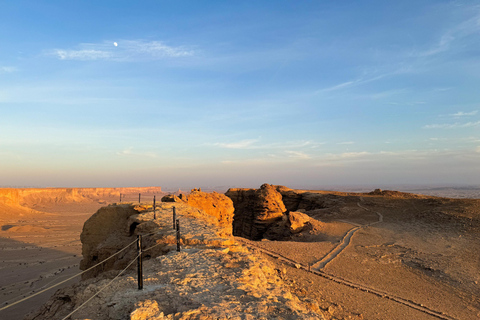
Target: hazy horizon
{"points": [[294, 93]]}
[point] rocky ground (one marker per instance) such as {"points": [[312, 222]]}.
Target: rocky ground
{"points": [[212, 277], [382, 255], [40, 246]]}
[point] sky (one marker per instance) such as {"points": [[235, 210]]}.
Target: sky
{"points": [[305, 94]]}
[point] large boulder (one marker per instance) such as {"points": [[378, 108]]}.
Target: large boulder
{"points": [[214, 204], [255, 210]]}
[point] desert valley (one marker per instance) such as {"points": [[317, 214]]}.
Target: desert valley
{"points": [[266, 253]]}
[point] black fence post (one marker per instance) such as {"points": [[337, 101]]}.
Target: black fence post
{"points": [[154, 209], [139, 197], [139, 263], [174, 217], [120, 197], [178, 235]]}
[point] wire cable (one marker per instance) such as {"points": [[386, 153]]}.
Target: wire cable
{"points": [[56, 285], [104, 287], [153, 246]]}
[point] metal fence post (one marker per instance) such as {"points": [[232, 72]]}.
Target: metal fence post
{"points": [[139, 263], [139, 197], [120, 197], [174, 217], [154, 209], [178, 235]]}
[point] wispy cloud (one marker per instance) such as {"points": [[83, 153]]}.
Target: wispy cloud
{"points": [[350, 84], [298, 155], [122, 50], [255, 144], [244, 144], [129, 152], [354, 155], [82, 54], [455, 34], [465, 114], [452, 125], [7, 69], [346, 142]]}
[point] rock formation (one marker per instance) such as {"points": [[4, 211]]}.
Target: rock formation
{"points": [[215, 205], [23, 201], [211, 278], [255, 210], [114, 227]]}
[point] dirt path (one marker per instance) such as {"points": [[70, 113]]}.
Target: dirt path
{"points": [[357, 286], [319, 265]]}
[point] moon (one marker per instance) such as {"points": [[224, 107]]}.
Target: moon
{"points": [[115, 44]]}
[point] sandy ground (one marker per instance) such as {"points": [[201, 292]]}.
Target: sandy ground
{"points": [[37, 251], [433, 264]]}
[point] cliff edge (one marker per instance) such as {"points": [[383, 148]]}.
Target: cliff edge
{"points": [[212, 277]]}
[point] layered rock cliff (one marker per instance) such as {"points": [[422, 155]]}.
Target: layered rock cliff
{"points": [[16, 202], [213, 277], [255, 210]]}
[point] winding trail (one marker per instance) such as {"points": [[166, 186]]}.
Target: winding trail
{"points": [[319, 265], [379, 293]]}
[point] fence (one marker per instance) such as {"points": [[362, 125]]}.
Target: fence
{"points": [[138, 258]]}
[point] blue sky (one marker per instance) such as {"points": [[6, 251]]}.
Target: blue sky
{"points": [[208, 93]]}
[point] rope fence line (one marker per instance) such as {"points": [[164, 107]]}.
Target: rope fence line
{"points": [[66, 280], [138, 258], [103, 288]]}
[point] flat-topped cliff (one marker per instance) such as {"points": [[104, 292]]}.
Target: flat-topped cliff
{"points": [[23, 201]]}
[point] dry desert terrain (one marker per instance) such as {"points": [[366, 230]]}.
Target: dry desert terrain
{"points": [[364, 256]]}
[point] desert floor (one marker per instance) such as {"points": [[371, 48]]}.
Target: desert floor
{"points": [[396, 262], [375, 261], [40, 250]]}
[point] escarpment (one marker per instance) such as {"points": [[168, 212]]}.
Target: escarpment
{"points": [[255, 210], [114, 227], [212, 277], [275, 212]]}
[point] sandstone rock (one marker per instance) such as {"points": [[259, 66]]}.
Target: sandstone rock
{"points": [[297, 221], [171, 198], [194, 284], [103, 234], [255, 210], [112, 228], [214, 204]]}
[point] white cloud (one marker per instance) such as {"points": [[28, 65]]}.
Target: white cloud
{"points": [[298, 155], [457, 33], [130, 152], [253, 144], [82, 54], [452, 125], [125, 50], [352, 155], [346, 142], [464, 114], [244, 144]]}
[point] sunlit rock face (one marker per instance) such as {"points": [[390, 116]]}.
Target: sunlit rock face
{"points": [[255, 210], [113, 227], [214, 204]]}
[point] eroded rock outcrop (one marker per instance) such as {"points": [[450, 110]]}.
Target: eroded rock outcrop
{"points": [[214, 204], [113, 227], [213, 277], [273, 212], [18, 202], [255, 210]]}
